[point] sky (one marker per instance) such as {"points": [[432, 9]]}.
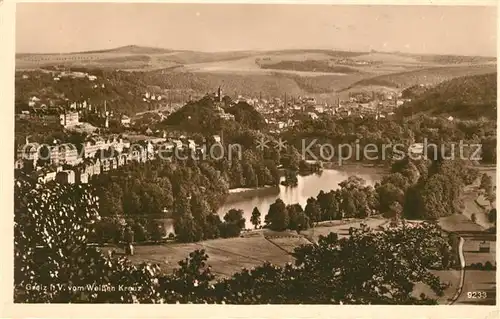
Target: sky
{"points": [[73, 27]]}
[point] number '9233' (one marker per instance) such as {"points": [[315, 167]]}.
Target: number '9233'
{"points": [[476, 294]]}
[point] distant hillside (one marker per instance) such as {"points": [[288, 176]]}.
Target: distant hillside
{"points": [[130, 49], [464, 97], [427, 76], [452, 59], [414, 91], [309, 66]]}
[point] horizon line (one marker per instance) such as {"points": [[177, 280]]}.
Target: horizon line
{"points": [[262, 50]]}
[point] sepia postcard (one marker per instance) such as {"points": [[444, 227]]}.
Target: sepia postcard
{"points": [[293, 153]]}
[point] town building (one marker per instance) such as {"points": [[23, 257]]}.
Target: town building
{"points": [[66, 177], [68, 119], [125, 120], [29, 152], [66, 153]]}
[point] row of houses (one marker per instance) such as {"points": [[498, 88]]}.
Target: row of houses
{"points": [[67, 153], [81, 169]]}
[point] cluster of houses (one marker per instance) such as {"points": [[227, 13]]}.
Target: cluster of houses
{"points": [[65, 163], [73, 75]]}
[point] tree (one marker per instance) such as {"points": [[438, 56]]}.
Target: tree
{"points": [[156, 230], [187, 230], [298, 219], [312, 210], [489, 150], [277, 217], [486, 182], [213, 225], [236, 173], [395, 210], [329, 205], [233, 223], [388, 195], [235, 216], [487, 186], [367, 267], [255, 219], [492, 216], [249, 175], [290, 178]]}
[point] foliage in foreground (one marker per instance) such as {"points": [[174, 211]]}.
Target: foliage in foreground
{"points": [[52, 224]]}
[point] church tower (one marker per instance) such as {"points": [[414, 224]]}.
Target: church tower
{"points": [[106, 114], [219, 94]]}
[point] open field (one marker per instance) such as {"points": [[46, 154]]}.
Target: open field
{"points": [[428, 76], [245, 72], [389, 69], [478, 281], [227, 256], [340, 227], [459, 223], [472, 254]]}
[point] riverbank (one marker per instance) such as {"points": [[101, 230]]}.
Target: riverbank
{"points": [[237, 194]]}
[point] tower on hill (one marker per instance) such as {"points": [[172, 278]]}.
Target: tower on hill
{"points": [[219, 94]]}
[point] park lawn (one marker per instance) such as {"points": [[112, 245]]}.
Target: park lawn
{"points": [[452, 277], [167, 256], [225, 256], [289, 243], [458, 223], [478, 281], [342, 229]]}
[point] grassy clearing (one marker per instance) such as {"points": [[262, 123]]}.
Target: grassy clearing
{"points": [[226, 256], [458, 223], [430, 76], [289, 243], [340, 228]]}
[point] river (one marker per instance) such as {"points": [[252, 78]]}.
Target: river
{"points": [[308, 186]]}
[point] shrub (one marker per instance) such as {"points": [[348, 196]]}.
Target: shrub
{"points": [[488, 266]]}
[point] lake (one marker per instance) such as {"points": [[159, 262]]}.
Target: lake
{"points": [[308, 186]]}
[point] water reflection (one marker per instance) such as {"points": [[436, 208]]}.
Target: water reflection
{"points": [[308, 186]]}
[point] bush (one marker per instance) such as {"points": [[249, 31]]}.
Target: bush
{"points": [[488, 266]]}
